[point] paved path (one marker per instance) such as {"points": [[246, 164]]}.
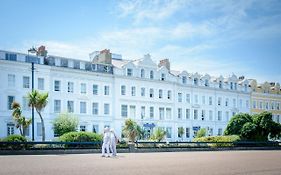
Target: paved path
{"points": [[197, 163]]}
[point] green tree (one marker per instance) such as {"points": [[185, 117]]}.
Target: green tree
{"points": [[257, 127], [65, 123], [21, 122], [158, 135], [249, 131], [131, 130], [201, 133], [39, 101], [180, 132], [236, 123], [266, 127]]}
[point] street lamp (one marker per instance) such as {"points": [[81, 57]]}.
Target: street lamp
{"points": [[32, 50]]}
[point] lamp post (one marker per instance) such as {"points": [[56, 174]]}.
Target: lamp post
{"points": [[32, 50]]}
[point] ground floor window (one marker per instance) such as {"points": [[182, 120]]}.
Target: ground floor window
{"points": [[187, 132], [95, 128], [169, 132], [10, 129], [210, 131], [26, 131], [39, 129], [82, 128]]}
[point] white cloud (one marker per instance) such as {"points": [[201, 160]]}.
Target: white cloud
{"points": [[189, 30], [150, 10], [219, 23]]}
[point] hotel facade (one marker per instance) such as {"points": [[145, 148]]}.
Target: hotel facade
{"points": [[266, 97], [107, 90]]}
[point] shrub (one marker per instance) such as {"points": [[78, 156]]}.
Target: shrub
{"points": [[65, 123], [14, 138], [158, 135], [132, 130], [81, 137], [231, 138], [201, 133]]}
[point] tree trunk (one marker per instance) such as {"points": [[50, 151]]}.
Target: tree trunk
{"points": [[43, 126], [21, 132]]}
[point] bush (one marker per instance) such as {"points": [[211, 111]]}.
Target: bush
{"points": [[65, 123], [14, 138], [158, 135], [231, 138], [81, 137], [201, 133]]}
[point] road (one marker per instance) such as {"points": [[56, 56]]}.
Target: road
{"points": [[197, 163]]}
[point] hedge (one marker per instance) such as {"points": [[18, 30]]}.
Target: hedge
{"points": [[80, 137], [14, 138], [231, 138]]}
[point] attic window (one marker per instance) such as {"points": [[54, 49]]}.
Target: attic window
{"points": [[195, 81], [142, 73], [220, 84], [151, 75], [246, 88], [129, 72], [206, 83], [163, 76], [184, 79]]}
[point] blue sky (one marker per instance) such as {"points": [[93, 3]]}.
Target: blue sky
{"points": [[218, 37]]}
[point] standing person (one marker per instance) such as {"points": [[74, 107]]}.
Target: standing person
{"points": [[106, 142], [113, 142]]}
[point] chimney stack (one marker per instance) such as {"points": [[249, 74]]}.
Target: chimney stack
{"points": [[165, 62], [42, 51], [103, 57]]}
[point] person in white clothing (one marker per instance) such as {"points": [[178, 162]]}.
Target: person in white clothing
{"points": [[106, 142], [113, 142]]}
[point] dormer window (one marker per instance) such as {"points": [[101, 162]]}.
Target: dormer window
{"points": [[163, 76], [142, 73], [151, 75], [64, 63], [76, 65], [231, 85], [206, 83], [129, 72], [220, 84], [184, 79], [195, 81], [246, 88]]}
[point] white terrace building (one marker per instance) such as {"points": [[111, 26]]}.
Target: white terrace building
{"points": [[107, 90]]}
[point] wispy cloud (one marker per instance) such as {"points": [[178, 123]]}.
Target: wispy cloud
{"points": [[150, 10], [188, 32]]}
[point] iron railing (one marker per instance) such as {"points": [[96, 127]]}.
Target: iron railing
{"points": [[50, 145]]}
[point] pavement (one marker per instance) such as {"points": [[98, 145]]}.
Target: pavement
{"points": [[197, 163]]}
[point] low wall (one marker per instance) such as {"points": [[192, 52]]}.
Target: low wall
{"points": [[132, 150]]}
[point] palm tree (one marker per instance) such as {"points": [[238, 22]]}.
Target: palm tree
{"points": [[180, 132], [22, 122], [131, 130], [38, 101], [158, 135]]}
